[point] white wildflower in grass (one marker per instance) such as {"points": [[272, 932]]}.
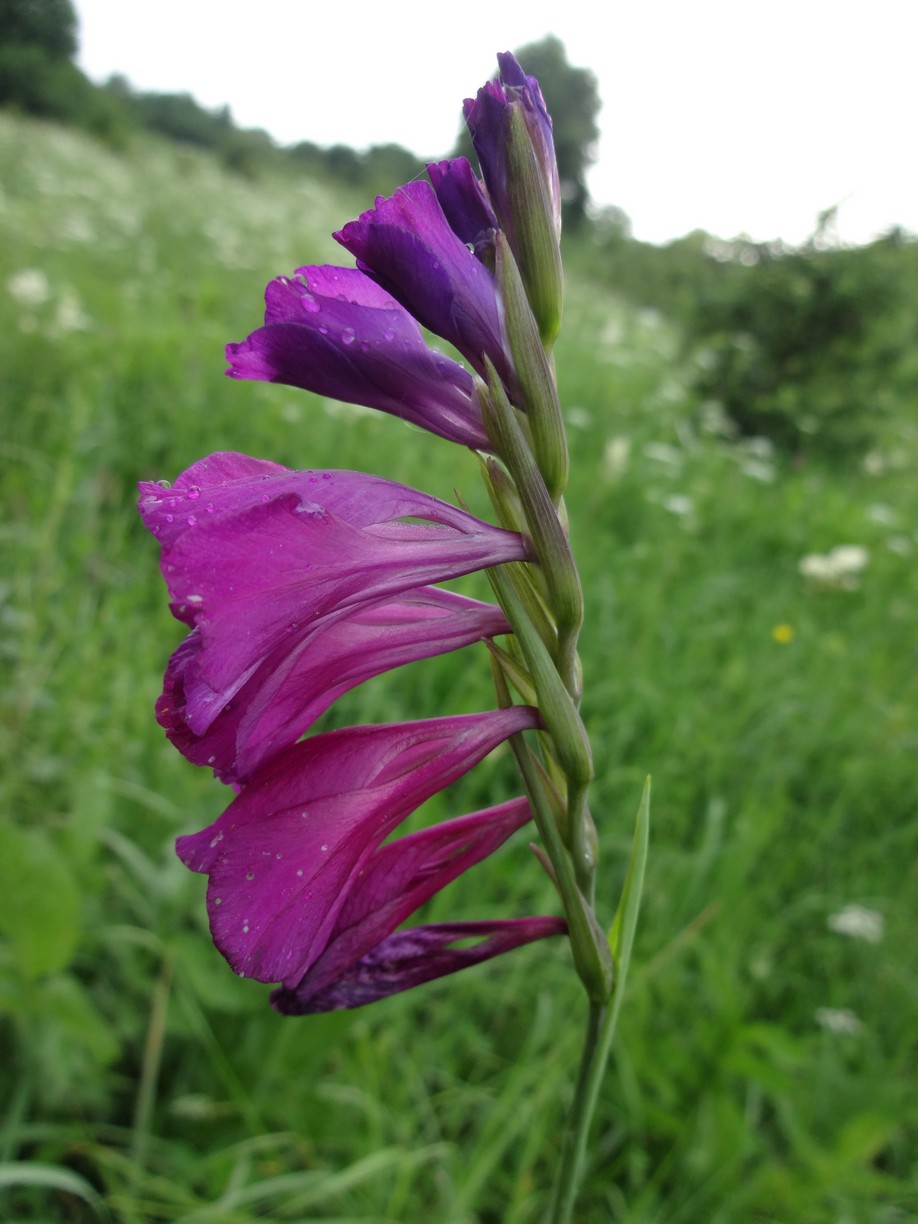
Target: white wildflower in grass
{"points": [[881, 513], [758, 469], [858, 922], [839, 1020], [662, 452], [679, 504], [70, 315], [30, 287], [579, 418], [900, 544], [839, 569], [615, 456]]}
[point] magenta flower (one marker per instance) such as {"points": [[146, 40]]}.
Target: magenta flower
{"points": [[297, 682], [285, 856], [412, 957], [337, 333], [260, 561], [408, 246]]}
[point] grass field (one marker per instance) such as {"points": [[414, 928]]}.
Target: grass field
{"points": [[765, 1065]]}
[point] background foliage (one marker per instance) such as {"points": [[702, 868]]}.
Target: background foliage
{"points": [[764, 1065]]}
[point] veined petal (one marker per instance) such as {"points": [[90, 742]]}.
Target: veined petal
{"points": [[410, 958], [268, 555], [400, 877], [284, 856], [406, 244], [334, 331], [299, 680]]}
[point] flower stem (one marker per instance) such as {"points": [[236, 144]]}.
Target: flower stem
{"points": [[597, 1043]]}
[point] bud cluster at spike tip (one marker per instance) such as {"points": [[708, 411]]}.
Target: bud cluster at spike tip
{"points": [[298, 586]]}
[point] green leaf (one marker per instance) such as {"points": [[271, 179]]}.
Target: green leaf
{"points": [[39, 902], [621, 933]]}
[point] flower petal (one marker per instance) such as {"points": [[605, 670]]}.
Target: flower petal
{"points": [[406, 244], [297, 681], [273, 554], [400, 877], [335, 332], [285, 854], [410, 958]]}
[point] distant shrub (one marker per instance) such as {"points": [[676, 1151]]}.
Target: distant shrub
{"points": [[812, 348]]}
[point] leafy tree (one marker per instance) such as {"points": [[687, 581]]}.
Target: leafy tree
{"points": [[48, 24]]}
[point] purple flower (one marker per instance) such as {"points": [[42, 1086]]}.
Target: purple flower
{"points": [[396, 880], [465, 205], [511, 132], [410, 958], [337, 333], [287, 854], [295, 683], [259, 559], [488, 117], [406, 244]]}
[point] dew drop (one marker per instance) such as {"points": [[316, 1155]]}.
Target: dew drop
{"points": [[250, 875], [299, 871], [389, 334], [193, 492], [170, 518], [278, 857], [324, 846], [164, 484], [326, 476], [191, 520], [323, 331], [218, 900], [209, 507], [304, 815], [215, 841], [245, 929], [348, 336], [310, 303]]}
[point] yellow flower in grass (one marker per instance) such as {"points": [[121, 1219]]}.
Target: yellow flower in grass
{"points": [[783, 634]]}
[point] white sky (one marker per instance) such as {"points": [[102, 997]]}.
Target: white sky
{"points": [[735, 116]]}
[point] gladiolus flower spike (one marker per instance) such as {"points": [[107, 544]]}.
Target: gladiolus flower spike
{"points": [[297, 586]]}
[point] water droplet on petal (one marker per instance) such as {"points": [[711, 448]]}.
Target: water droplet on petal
{"points": [[348, 336], [170, 518], [215, 841], [299, 871], [389, 334], [323, 331], [245, 929], [218, 900], [191, 520], [193, 492], [324, 846], [250, 875], [209, 507]]}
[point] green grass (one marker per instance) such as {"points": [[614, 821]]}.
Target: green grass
{"points": [[143, 1081]]}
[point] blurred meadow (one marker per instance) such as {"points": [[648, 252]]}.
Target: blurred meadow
{"points": [[764, 1069]]}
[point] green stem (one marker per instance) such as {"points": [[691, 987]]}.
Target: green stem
{"points": [[597, 1043]]}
